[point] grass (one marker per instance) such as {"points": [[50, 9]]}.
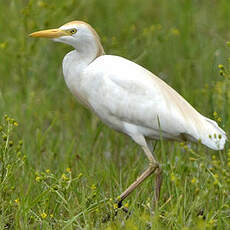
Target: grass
{"points": [[60, 167]]}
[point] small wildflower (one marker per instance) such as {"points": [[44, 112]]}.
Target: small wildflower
{"points": [[173, 178], [38, 178], [194, 180], [64, 177], [126, 205], [68, 170], [3, 45], [175, 32], [43, 215], [115, 206], [51, 215], [15, 123], [216, 175], [118, 198], [48, 171], [93, 187], [220, 66], [17, 201]]}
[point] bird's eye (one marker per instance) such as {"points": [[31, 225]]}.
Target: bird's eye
{"points": [[73, 31]]}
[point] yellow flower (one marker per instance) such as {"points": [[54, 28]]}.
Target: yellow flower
{"points": [[115, 206], [175, 32], [17, 201], [194, 180], [47, 170], [38, 178], [220, 66], [15, 123], [93, 187], [126, 205], [3, 45], [51, 215], [43, 215], [216, 175], [64, 177], [68, 170], [173, 178]]}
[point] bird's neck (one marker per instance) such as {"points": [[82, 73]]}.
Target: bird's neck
{"points": [[88, 50]]}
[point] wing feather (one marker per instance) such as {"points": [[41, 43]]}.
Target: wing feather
{"points": [[132, 94]]}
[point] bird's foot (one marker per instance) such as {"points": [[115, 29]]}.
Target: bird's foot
{"points": [[117, 207]]}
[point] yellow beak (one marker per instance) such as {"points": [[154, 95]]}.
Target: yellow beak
{"points": [[52, 33]]}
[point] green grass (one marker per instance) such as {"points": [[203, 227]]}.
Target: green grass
{"points": [[64, 168]]}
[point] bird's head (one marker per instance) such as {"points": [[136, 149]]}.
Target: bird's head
{"points": [[78, 34]]}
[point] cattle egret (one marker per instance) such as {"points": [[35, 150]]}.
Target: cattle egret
{"points": [[129, 98]]}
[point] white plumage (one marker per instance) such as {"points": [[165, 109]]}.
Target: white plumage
{"points": [[130, 99], [126, 96]]}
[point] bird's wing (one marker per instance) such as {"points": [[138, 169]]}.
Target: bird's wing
{"points": [[132, 94]]}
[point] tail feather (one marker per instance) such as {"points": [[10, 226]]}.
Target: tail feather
{"points": [[213, 136]]}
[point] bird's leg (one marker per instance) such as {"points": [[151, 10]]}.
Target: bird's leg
{"points": [[158, 172], [153, 167]]}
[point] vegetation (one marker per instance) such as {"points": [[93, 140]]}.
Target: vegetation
{"points": [[60, 167]]}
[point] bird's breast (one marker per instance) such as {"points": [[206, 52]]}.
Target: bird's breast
{"points": [[73, 74]]}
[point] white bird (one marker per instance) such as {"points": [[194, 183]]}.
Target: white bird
{"points": [[129, 98]]}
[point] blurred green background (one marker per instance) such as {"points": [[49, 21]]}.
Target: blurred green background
{"points": [[70, 164]]}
